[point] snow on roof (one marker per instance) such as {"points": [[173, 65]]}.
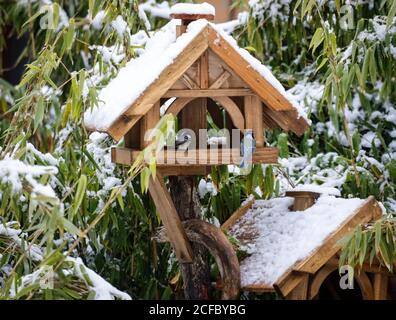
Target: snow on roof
{"points": [[139, 73], [318, 189], [281, 237], [192, 8]]}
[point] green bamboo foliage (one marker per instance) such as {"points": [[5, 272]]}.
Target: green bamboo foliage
{"points": [[349, 49]]}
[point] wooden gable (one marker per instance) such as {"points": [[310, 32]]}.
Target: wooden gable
{"points": [[229, 75]]}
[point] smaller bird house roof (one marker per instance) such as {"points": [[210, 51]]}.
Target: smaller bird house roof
{"points": [[144, 80], [280, 241]]}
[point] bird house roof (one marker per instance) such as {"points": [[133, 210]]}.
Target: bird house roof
{"points": [[166, 58], [282, 243]]}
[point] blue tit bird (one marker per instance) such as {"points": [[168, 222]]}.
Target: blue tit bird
{"points": [[183, 141], [248, 147]]}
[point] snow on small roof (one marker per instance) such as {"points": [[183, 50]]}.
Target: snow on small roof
{"points": [[160, 52], [193, 9], [318, 189], [282, 237]]}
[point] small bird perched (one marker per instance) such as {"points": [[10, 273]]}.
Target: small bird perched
{"points": [[183, 141], [248, 147]]}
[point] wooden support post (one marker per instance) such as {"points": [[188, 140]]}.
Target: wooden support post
{"points": [[380, 286], [148, 122], [132, 138], [253, 110], [170, 219]]}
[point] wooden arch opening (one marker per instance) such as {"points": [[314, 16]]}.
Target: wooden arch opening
{"points": [[325, 286], [225, 102]]}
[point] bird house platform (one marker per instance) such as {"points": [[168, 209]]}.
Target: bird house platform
{"points": [[197, 157]]}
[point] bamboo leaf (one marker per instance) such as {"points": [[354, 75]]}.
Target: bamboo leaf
{"points": [[38, 118], [80, 193]]}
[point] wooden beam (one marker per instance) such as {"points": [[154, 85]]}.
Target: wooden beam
{"points": [[170, 219], [132, 138], [205, 93], [262, 87], [203, 157], [253, 111], [190, 83], [220, 80], [300, 292], [287, 120], [380, 286], [167, 171], [160, 86], [178, 105], [188, 17], [319, 278], [288, 282], [365, 285], [180, 30], [204, 70], [232, 109], [149, 121], [370, 210], [259, 288]]}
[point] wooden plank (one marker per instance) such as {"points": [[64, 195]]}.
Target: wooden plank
{"points": [[183, 171], [369, 211], [380, 286], [193, 117], [205, 157], [259, 288], [365, 285], [180, 30], [287, 120], [220, 80], [170, 219], [239, 213], [253, 112], [288, 282], [264, 89], [160, 86], [205, 93], [300, 292], [148, 122], [190, 83], [204, 70]]}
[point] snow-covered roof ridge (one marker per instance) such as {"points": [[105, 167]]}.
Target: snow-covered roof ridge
{"points": [[283, 238], [161, 51]]}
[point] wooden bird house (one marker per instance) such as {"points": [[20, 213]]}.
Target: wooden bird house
{"points": [[192, 69], [200, 73]]}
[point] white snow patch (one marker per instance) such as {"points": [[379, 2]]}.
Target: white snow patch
{"points": [[318, 189], [282, 238], [192, 8]]}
